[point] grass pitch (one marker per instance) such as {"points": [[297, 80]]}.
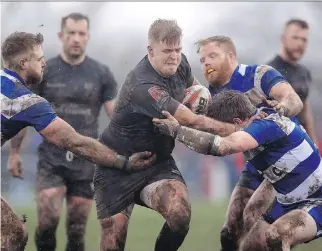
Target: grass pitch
{"points": [[145, 225]]}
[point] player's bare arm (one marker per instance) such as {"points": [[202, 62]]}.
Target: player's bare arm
{"points": [[204, 142], [187, 118], [289, 103], [63, 135], [307, 120], [14, 161]]}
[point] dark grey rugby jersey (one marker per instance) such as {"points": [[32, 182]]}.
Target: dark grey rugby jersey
{"points": [[297, 75], [77, 94], [141, 98]]}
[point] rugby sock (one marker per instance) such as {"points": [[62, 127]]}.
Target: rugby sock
{"points": [[75, 247], [168, 240], [227, 240], [45, 241]]}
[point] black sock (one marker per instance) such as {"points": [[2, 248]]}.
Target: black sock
{"points": [[75, 247], [45, 241], [168, 240], [228, 241]]}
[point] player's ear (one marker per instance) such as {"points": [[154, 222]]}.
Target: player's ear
{"points": [[150, 51], [60, 35], [231, 56], [23, 63], [237, 121], [282, 38]]}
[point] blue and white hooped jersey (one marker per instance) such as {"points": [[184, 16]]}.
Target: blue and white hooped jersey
{"points": [[286, 157], [20, 107], [256, 81]]}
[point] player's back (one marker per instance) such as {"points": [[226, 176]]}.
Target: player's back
{"points": [[255, 81], [20, 107], [142, 97], [286, 157]]}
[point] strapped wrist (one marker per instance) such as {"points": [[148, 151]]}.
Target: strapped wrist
{"points": [[120, 162]]}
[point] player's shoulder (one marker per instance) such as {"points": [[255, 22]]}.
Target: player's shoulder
{"points": [[53, 61], [303, 69], [96, 65], [275, 119], [12, 87]]}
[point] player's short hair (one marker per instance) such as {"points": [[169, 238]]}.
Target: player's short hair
{"points": [[228, 105], [19, 43], [219, 40], [299, 22], [76, 17], [164, 30]]}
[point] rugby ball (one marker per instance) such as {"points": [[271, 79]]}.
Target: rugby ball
{"points": [[197, 98]]}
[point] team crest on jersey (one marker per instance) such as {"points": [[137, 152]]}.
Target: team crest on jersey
{"points": [[157, 93]]}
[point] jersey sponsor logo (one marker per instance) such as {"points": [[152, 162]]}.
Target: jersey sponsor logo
{"points": [[157, 93]]}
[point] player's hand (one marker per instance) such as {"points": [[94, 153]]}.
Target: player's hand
{"points": [[277, 106], [168, 126], [139, 161], [15, 165], [259, 115]]}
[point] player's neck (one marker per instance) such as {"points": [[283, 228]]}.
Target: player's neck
{"points": [[72, 61], [286, 58], [21, 74]]}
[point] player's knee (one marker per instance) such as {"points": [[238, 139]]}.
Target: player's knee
{"points": [[115, 225], [114, 231], [180, 216]]}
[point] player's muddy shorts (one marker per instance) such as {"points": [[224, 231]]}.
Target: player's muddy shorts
{"points": [[50, 175], [116, 190], [313, 207], [250, 178]]}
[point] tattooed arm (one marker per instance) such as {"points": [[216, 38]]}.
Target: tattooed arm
{"points": [[60, 133]]}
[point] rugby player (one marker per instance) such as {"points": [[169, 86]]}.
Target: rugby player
{"points": [[281, 152], [294, 41], [265, 86], [157, 83], [77, 86], [24, 64]]}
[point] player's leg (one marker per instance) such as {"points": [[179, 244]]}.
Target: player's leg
{"points": [[79, 204], [255, 238], [114, 230], [114, 193], [14, 235], [233, 229], [170, 199], [296, 227], [233, 226], [258, 204], [50, 194], [168, 195]]}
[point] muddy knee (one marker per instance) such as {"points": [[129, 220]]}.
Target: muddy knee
{"points": [[179, 218], [170, 199], [113, 232]]}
